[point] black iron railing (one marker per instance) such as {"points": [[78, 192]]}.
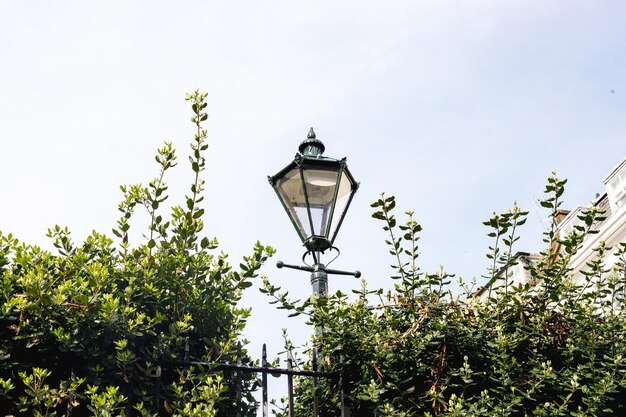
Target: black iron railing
{"points": [[239, 369]]}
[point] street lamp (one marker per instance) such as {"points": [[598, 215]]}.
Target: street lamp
{"points": [[316, 192]]}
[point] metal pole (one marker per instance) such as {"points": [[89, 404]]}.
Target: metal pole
{"points": [[319, 280], [157, 376], [157, 388], [290, 384], [264, 373], [345, 407], [319, 283], [315, 401], [239, 385], [70, 403]]}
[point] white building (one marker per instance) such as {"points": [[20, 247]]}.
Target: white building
{"points": [[612, 231]]}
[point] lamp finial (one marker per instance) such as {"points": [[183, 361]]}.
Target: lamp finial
{"points": [[312, 146]]}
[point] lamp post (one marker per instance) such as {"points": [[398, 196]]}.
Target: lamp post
{"points": [[316, 192]]}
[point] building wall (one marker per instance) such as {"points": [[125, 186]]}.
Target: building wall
{"points": [[612, 230]]}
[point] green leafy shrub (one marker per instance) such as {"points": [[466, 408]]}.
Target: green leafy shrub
{"points": [[85, 331], [547, 348]]}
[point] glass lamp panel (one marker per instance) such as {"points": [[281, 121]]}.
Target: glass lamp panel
{"points": [[343, 198], [320, 188], [290, 189]]}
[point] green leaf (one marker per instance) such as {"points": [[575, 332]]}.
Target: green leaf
{"points": [[198, 213]]}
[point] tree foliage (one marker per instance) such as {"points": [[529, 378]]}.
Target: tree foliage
{"points": [[550, 347], [87, 330]]}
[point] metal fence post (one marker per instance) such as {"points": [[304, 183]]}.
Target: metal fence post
{"points": [[345, 407], [239, 384], [70, 402], [290, 383], [264, 373], [316, 411], [157, 376]]}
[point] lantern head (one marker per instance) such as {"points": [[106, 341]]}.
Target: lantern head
{"points": [[316, 192]]}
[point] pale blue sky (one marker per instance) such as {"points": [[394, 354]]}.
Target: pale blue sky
{"points": [[457, 108]]}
